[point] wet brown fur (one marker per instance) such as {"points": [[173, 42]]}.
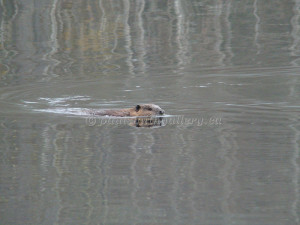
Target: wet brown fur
{"points": [[139, 110]]}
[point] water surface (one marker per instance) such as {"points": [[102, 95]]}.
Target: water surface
{"points": [[228, 69]]}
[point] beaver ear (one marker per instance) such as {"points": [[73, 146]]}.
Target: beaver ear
{"points": [[137, 108]]}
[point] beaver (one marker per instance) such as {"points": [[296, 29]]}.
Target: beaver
{"points": [[139, 110]]}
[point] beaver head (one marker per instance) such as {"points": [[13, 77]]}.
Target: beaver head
{"points": [[146, 110]]}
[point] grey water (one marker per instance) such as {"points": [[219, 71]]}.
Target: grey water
{"points": [[227, 73]]}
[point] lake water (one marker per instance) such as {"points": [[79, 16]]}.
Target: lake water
{"points": [[227, 73]]}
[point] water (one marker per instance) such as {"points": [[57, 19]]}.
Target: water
{"points": [[225, 72]]}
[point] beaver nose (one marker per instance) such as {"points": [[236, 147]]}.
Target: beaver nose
{"points": [[161, 112]]}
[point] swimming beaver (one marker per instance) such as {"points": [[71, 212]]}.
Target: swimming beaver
{"points": [[138, 110]]}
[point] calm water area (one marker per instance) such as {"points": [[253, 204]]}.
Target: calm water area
{"points": [[227, 74]]}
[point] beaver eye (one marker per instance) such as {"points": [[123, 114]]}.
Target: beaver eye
{"points": [[150, 109]]}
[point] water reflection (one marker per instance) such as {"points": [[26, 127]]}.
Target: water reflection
{"points": [[90, 38]]}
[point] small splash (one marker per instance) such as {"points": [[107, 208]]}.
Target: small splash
{"points": [[66, 111], [61, 105], [29, 102], [63, 100]]}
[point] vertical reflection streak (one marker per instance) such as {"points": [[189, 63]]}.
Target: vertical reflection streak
{"points": [[296, 172], [2, 36], [294, 122], [104, 168], [103, 29], [141, 37], [115, 45], [256, 27], [57, 163], [174, 193], [295, 33], [8, 54], [86, 170], [228, 153], [53, 45], [228, 30], [2, 29], [218, 32], [181, 36], [128, 37], [134, 175], [151, 164]]}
